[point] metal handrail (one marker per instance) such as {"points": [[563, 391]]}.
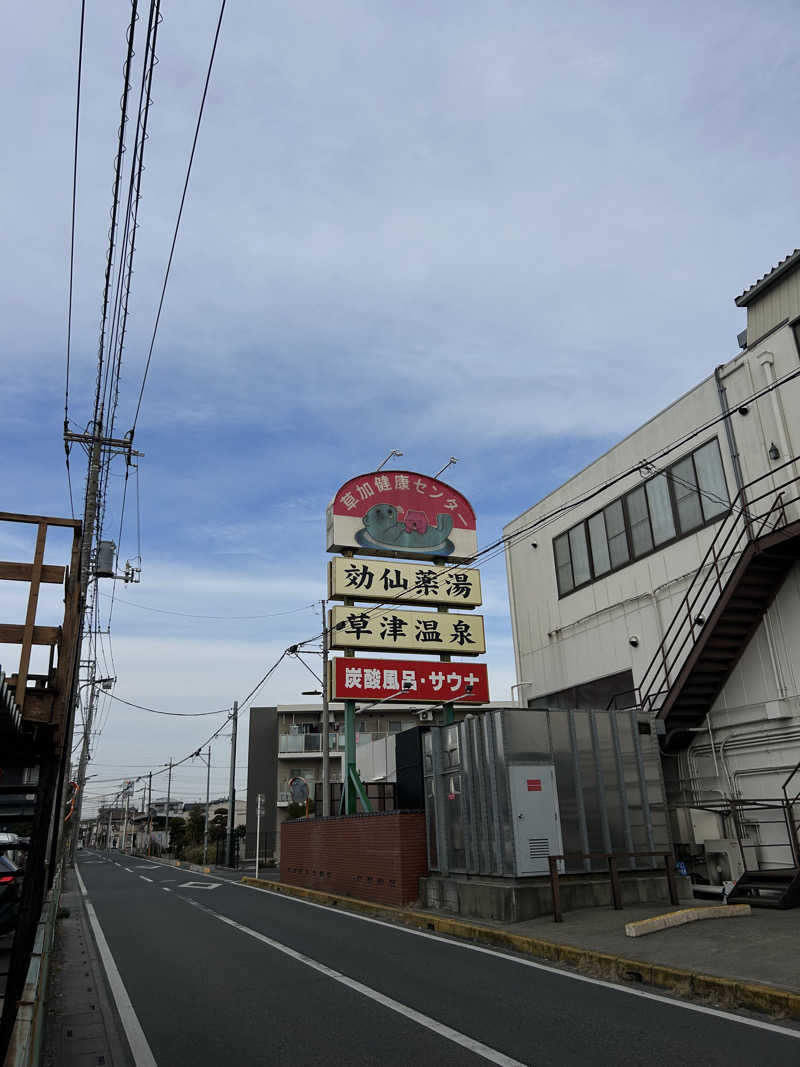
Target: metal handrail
{"points": [[786, 783], [613, 870], [722, 556]]}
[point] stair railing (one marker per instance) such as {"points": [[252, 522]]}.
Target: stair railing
{"points": [[788, 811], [750, 517]]}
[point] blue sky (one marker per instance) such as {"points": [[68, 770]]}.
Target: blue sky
{"points": [[507, 232]]}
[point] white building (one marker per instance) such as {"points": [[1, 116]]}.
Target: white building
{"points": [[665, 573]]}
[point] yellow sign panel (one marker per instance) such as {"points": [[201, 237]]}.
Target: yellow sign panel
{"points": [[407, 583], [425, 632]]}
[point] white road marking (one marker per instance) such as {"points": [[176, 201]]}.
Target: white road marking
{"points": [[129, 870], [199, 885], [470, 1043], [728, 1016], [140, 1049], [145, 879], [148, 867], [469, 946], [165, 890]]}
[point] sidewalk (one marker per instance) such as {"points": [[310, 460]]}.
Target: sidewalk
{"points": [[750, 962], [81, 1024]]}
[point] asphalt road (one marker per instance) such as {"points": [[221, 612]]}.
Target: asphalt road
{"points": [[219, 973]]}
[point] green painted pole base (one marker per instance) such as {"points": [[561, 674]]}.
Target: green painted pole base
{"points": [[352, 787]]}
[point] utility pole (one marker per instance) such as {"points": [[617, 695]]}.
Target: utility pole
{"points": [[208, 787], [92, 685], [232, 788], [110, 813], [166, 815], [87, 730], [94, 443], [125, 815], [326, 753], [149, 811]]}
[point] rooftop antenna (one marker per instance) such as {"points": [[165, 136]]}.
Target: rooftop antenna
{"points": [[449, 463], [394, 452]]}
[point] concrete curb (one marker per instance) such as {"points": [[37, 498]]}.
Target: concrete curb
{"points": [[727, 992]]}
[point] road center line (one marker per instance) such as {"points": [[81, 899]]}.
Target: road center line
{"points": [[477, 1047]]}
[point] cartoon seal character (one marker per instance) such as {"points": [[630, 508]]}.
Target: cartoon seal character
{"points": [[382, 529]]}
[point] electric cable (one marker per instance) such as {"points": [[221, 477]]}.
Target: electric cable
{"points": [[175, 714], [178, 221], [115, 205], [72, 246], [216, 618]]}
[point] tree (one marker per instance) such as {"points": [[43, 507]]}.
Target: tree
{"points": [[219, 824], [196, 824], [177, 836]]}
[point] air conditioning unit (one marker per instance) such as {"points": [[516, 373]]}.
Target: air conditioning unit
{"points": [[425, 716]]}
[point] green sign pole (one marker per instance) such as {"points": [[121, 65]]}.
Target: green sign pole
{"points": [[352, 786]]}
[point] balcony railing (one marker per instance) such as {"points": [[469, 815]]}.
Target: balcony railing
{"points": [[310, 742]]}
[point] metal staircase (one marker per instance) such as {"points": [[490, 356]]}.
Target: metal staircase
{"points": [[768, 889], [756, 545]]}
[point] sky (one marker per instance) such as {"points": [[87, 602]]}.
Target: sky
{"points": [[505, 232]]}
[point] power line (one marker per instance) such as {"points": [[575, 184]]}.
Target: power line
{"points": [[175, 714], [178, 221], [217, 618], [72, 246], [115, 205]]}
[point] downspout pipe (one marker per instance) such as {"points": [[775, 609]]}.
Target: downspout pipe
{"points": [[729, 434]]}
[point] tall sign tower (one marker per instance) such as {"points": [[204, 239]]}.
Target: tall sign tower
{"points": [[401, 516]]}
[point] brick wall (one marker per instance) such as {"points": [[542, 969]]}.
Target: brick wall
{"points": [[378, 857]]}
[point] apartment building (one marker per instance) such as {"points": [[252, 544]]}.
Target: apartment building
{"points": [[285, 742]]}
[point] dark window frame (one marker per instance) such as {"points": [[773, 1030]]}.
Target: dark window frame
{"points": [[680, 534]]}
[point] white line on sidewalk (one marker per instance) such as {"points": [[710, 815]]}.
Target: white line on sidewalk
{"points": [[140, 1049]]}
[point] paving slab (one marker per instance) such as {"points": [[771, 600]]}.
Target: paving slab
{"points": [[762, 947]]}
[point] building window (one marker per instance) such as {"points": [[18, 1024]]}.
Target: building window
{"points": [[687, 496]]}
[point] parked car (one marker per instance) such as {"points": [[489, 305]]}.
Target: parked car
{"points": [[10, 892]]}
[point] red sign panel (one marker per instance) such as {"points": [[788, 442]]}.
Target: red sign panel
{"points": [[534, 785], [404, 515], [411, 681]]}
